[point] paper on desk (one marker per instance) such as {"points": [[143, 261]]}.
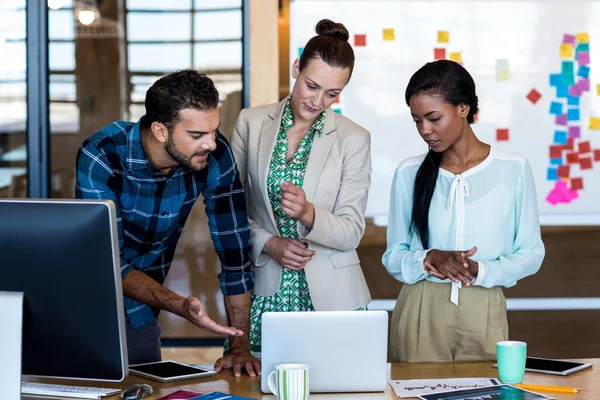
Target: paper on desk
{"points": [[417, 387]]}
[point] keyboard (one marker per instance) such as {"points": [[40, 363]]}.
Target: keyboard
{"points": [[77, 392]]}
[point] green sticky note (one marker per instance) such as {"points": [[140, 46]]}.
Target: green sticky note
{"points": [[568, 73]]}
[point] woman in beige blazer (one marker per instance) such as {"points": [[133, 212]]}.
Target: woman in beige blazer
{"points": [[306, 171]]}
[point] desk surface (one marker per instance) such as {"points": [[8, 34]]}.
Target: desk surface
{"points": [[588, 380]]}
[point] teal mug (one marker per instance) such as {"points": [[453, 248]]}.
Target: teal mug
{"points": [[290, 381], [512, 356]]}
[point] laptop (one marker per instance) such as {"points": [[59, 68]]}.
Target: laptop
{"points": [[346, 350]]}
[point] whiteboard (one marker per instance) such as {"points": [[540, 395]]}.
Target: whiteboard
{"points": [[526, 34]]}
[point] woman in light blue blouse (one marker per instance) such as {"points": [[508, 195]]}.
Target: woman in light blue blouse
{"points": [[463, 223]]}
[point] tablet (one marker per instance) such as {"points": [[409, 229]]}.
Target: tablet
{"points": [[553, 367], [169, 371]]}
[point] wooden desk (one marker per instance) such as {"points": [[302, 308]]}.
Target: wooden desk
{"points": [[588, 381]]}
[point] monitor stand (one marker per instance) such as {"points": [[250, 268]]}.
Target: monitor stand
{"points": [[11, 310]]}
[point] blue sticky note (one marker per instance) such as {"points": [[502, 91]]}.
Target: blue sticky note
{"points": [[562, 91], [584, 71], [573, 101], [556, 108], [555, 79], [300, 50], [556, 161], [582, 47], [337, 110], [573, 114], [560, 137], [568, 73], [552, 174]]}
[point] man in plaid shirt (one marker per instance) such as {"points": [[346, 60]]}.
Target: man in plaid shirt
{"points": [[153, 171]]}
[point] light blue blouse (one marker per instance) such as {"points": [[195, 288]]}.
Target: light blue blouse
{"points": [[492, 206]]}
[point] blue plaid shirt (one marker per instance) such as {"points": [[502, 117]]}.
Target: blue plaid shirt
{"points": [[152, 208]]}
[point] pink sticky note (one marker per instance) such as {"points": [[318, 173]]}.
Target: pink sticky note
{"points": [[569, 38], [574, 90], [561, 119], [552, 198], [584, 85], [574, 132], [583, 57]]}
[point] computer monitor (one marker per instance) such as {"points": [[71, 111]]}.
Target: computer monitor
{"points": [[64, 256]]}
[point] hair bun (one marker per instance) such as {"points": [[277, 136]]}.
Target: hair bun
{"points": [[327, 27]]}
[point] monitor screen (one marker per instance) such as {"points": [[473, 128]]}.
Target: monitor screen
{"points": [[63, 255]]}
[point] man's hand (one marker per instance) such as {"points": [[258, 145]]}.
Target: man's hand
{"points": [[289, 253], [453, 265], [193, 311], [236, 358], [294, 203]]}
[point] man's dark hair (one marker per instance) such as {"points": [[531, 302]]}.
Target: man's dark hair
{"points": [[178, 91]]}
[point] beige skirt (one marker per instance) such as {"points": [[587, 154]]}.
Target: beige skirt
{"points": [[427, 327]]}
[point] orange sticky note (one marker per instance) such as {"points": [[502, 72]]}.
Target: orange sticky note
{"points": [[443, 37], [439, 54], [389, 34], [576, 183], [596, 155], [570, 144], [501, 134], [556, 151], [563, 171], [572, 158], [337, 100], [585, 147], [456, 57], [360, 40], [586, 163]]}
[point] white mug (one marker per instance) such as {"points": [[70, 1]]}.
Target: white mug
{"points": [[290, 381]]}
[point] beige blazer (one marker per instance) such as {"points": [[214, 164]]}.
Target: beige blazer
{"points": [[336, 182]]}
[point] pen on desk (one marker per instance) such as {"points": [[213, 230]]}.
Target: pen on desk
{"points": [[543, 388]]}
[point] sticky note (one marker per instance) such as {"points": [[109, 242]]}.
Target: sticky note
{"points": [[574, 132], [567, 38], [594, 123], [360, 40], [389, 34], [337, 110], [556, 108], [562, 91], [439, 54], [584, 147], [568, 77], [563, 171], [552, 174], [583, 37], [566, 50], [443, 37], [584, 85], [572, 158], [586, 163], [573, 101], [573, 114], [300, 50], [583, 71], [574, 91], [456, 57], [598, 90], [556, 151], [560, 137], [561, 119], [556, 161], [503, 75], [337, 100], [555, 79], [583, 57], [582, 47], [501, 134], [596, 155], [533, 96], [570, 145], [576, 183]]}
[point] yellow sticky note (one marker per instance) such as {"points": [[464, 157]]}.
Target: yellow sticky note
{"points": [[594, 123], [503, 75], [443, 36], [566, 50], [389, 34], [583, 37], [598, 90], [456, 57]]}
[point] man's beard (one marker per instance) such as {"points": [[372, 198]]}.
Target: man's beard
{"points": [[182, 158]]}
